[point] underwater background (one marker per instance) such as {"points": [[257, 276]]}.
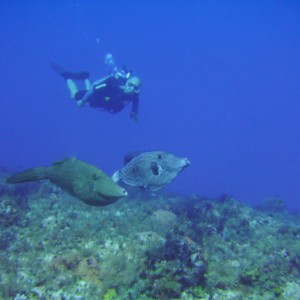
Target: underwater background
{"points": [[220, 86]]}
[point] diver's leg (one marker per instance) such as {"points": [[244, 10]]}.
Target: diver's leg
{"points": [[88, 84], [87, 97], [72, 87]]}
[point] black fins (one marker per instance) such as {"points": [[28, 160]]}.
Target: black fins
{"points": [[57, 68], [69, 75], [28, 175]]}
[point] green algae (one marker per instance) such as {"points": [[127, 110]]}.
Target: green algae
{"points": [[110, 294]]}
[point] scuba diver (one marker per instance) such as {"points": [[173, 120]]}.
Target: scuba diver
{"points": [[111, 93]]}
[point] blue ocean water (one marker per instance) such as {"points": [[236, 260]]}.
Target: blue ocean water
{"points": [[220, 86]]}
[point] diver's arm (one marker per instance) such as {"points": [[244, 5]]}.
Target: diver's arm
{"points": [[101, 82], [134, 108]]}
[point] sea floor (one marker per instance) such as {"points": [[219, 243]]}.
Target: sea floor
{"points": [[53, 246]]}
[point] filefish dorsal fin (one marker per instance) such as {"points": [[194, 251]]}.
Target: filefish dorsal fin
{"points": [[60, 162], [130, 156]]}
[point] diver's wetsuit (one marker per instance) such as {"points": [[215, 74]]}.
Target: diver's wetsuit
{"points": [[107, 94]]}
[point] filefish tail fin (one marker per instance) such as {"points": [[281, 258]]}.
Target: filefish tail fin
{"points": [[116, 176], [27, 175]]}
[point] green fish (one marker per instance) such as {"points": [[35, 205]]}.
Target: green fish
{"points": [[82, 180]]}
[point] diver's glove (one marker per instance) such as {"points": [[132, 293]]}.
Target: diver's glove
{"points": [[80, 103], [134, 116]]}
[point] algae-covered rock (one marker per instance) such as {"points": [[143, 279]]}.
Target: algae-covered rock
{"points": [[152, 248], [291, 291]]}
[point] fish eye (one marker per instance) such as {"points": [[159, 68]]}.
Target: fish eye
{"points": [[95, 176]]}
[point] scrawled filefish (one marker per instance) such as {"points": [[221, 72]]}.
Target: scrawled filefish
{"points": [[82, 180], [151, 170]]}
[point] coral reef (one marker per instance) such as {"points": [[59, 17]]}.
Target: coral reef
{"points": [[168, 247]]}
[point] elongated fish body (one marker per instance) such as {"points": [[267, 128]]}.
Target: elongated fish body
{"points": [[82, 180], [151, 170]]}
